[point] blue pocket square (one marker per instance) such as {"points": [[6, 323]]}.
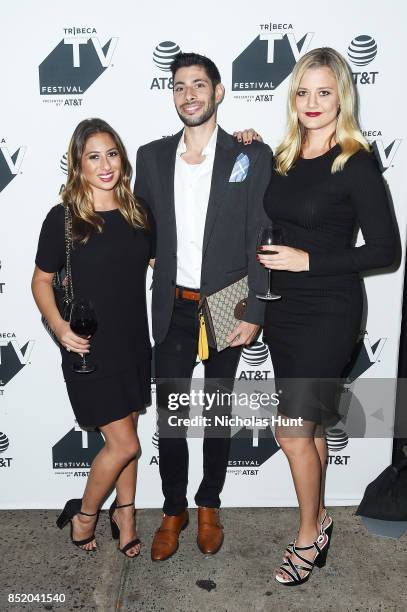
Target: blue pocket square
{"points": [[240, 169]]}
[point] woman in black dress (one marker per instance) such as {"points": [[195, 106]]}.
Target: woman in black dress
{"points": [[325, 183], [110, 253]]}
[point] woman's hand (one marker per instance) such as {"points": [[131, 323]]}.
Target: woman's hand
{"points": [[69, 340], [44, 297], [247, 136], [286, 258]]}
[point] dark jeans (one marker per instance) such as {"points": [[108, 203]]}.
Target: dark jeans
{"points": [[175, 358]]}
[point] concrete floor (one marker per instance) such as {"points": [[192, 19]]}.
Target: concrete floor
{"points": [[364, 573]]}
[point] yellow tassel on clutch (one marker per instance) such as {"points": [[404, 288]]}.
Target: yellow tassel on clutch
{"points": [[203, 348]]}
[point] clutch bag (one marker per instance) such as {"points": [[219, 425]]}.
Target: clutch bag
{"points": [[223, 310]]}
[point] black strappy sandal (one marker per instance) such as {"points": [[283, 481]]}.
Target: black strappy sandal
{"points": [[328, 529], [116, 530], [330, 525], [73, 507], [292, 570]]}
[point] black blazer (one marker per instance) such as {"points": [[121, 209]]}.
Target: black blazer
{"points": [[235, 213]]}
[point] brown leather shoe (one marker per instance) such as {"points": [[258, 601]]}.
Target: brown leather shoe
{"points": [[210, 531], [165, 542]]}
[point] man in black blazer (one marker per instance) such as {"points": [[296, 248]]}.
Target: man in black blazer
{"points": [[205, 192]]}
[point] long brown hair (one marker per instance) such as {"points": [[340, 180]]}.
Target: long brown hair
{"points": [[78, 193]]}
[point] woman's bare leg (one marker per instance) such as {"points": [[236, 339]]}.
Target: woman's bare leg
{"points": [[322, 449], [125, 494], [305, 465], [121, 446]]}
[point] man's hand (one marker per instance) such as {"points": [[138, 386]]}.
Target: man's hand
{"points": [[247, 136], [244, 333]]}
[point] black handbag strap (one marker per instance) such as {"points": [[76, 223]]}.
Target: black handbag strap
{"points": [[68, 286]]}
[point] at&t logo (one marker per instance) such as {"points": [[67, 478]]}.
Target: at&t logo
{"points": [[10, 163], [75, 64], [63, 164], [155, 442], [337, 440], [163, 55], [255, 355], [268, 60], [362, 51], [4, 444], [13, 358]]}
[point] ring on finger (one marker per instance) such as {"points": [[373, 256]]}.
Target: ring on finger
{"points": [[68, 349]]}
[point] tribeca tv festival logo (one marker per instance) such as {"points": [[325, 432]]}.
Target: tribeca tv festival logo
{"points": [[4, 444], [10, 163], [250, 448], [364, 356], [268, 60], [385, 153], [337, 440], [73, 454], [362, 51], [74, 65], [164, 54], [13, 357]]}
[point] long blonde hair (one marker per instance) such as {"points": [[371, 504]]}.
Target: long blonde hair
{"points": [[347, 134], [78, 193]]}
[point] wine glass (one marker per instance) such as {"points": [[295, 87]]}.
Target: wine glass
{"points": [[84, 323], [268, 236]]}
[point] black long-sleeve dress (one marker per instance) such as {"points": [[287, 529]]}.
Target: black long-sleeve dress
{"points": [[312, 330], [109, 270]]}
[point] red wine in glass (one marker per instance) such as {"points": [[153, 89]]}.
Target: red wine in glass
{"points": [[268, 236], [83, 322]]}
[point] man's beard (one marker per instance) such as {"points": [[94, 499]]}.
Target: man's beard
{"points": [[195, 121]]}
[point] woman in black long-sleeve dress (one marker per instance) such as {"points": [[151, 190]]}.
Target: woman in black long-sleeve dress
{"points": [[325, 184], [109, 257]]}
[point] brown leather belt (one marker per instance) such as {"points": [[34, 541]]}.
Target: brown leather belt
{"points": [[187, 294]]}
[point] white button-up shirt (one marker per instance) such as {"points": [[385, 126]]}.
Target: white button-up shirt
{"points": [[192, 183]]}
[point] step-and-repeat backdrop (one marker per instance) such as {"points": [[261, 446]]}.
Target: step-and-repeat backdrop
{"points": [[66, 61]]}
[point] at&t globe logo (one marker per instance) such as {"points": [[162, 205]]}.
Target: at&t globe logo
{"points": [[163, 56], [256, 354], [4, 442], [63, 163], [362, 50], [336, 440]]}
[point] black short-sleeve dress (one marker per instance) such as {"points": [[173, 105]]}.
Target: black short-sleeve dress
{"points": [[311, 332], [110, 270]]}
